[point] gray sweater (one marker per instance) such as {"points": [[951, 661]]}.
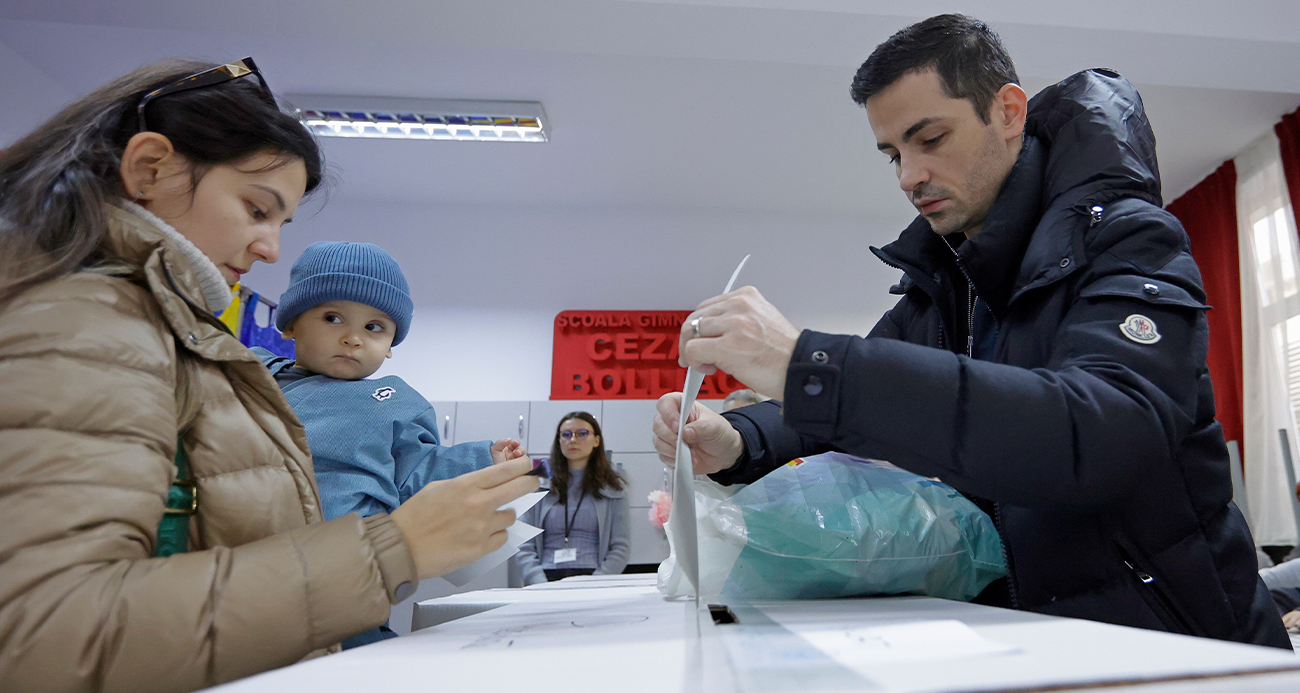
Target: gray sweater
{"points": [[613, 519]]}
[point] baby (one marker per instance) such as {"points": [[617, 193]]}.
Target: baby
{"points": [[374, 443]]}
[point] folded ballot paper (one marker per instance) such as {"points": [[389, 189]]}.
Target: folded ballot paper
{"points": [[516, 534], [681, 521]]}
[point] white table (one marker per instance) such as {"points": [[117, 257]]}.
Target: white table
{"points": [[618, 634]]}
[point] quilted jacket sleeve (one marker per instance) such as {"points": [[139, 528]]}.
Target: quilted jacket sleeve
{"points": [[88, 427], [1102, 413]]}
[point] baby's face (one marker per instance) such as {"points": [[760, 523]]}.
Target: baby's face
{"points": [[342, 339]]}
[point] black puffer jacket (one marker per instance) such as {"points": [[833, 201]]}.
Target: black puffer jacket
{"points": [[1084, 423]]}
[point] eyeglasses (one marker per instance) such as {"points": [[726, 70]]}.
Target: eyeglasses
{"points": [[580, 434], [206, 78]]}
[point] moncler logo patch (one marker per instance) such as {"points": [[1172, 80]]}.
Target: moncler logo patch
{"points": [[384, 393], [1140, 329]]}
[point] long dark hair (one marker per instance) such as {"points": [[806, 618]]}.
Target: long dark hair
{"points": [[56, 181], [600, 474]]}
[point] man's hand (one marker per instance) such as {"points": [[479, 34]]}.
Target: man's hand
{"points": [[450, 524], [744, 335], [507, 449], [714, 444]]}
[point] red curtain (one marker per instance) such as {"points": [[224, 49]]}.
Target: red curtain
{"points": [[1209, 213], [1288, 136]]}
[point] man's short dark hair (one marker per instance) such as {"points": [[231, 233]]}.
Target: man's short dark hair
{"points": [[969, 57]]}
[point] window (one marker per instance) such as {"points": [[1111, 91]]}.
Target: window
{"points": [[1270, 341], [1274, 242]]}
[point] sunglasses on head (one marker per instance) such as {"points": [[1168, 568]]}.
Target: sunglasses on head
{"points": [[198, 80], [580, 434]]}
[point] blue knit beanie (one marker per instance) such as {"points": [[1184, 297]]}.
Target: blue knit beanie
{"points": [[340, 271]]}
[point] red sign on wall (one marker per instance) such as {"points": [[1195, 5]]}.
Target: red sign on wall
{"points": [[623, 354]]}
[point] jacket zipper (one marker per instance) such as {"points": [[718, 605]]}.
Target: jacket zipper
{"points": [[942, 341], [970, 353], [1153, 594], [970, 319], [970, 302], [1094, 214]]}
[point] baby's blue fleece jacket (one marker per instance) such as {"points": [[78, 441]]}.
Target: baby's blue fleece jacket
{"points": [[374, 443]]}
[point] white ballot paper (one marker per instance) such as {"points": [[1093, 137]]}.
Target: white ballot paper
{"points": [[681, 520], [516, 534], [862, 648]]}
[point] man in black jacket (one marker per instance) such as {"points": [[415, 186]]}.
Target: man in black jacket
{"points": [[1046, 357]]}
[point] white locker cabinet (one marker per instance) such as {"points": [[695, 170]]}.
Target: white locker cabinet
{"points": [[649, 545], [446, 413], [544, 416], [627, 425], [644, 473], [491, 421]]}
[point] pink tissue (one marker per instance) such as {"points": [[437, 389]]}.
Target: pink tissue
{"points": [[661, 505]]}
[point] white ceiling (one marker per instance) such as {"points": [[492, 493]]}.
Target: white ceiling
{"points": [[726, 122]]}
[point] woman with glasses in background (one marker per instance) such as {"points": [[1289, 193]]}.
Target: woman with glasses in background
{"points": [[162, 528], [585, 517]]}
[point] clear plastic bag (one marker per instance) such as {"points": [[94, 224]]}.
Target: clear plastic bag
{"points": [[833, 525]]}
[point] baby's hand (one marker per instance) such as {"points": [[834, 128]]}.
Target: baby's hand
{"points": [[507, 449]]}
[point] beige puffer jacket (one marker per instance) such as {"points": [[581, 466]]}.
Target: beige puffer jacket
{"points": [[98, 374]]}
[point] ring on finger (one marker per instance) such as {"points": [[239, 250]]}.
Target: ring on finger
{"points": [[695, 327]]}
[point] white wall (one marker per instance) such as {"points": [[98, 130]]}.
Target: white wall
{"points": [[30, 97], [460, 355], [488, 282], [477, 354]]}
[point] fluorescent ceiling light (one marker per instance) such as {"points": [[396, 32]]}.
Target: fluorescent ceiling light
{"points": [[422, 119]]}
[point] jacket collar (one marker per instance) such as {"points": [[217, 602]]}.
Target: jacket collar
{"points": [[135, 233], [1101, 144], [203, 273], [1087, 142], [990, 258], [178, 275]]}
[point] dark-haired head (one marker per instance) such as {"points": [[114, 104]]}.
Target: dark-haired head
{"points": [[968, 56], [944, 106], [599, 474], [56, 181]]}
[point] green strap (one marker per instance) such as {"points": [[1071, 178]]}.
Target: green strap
{"points": [[182, 501]]}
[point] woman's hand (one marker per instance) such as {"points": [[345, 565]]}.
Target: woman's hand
{"points": [[507, 449], [450, 524], [1291, 619]]}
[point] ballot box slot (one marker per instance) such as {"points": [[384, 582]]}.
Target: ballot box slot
{"points": [[722, 615]]}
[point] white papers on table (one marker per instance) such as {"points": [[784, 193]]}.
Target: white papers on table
{"points": [[516, 534], [916, 641]]}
